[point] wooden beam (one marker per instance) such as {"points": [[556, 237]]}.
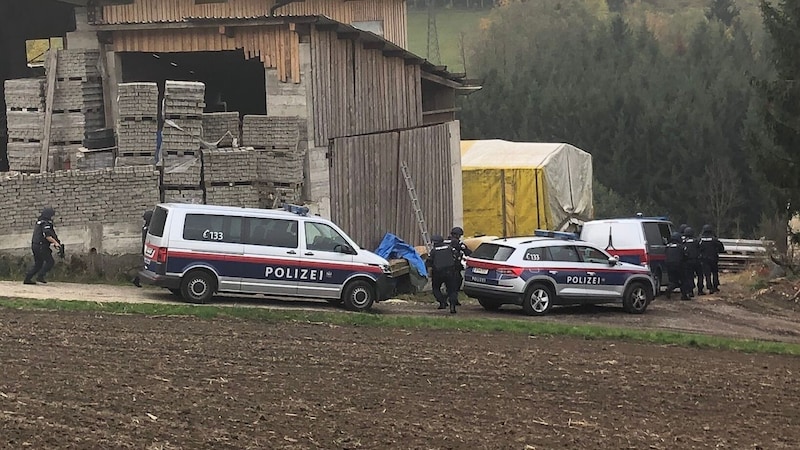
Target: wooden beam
{"points": [[52, 61], [394, 53], [374, 45], [351, 35]]}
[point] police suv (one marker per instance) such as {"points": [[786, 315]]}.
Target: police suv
{"points": [[199, 250], [550, 269]]}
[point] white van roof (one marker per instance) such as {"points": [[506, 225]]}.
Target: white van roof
{"points": [[628, 220], [233, 210]]}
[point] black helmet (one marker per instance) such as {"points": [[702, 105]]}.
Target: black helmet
{"points": [[688, 232], [457, 232], [707, 228], [437, 239], [48, 212], [675, 237], [682, 228], [147, 215]]}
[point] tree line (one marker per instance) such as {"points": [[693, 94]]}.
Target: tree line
{"points": [[703, 128]]}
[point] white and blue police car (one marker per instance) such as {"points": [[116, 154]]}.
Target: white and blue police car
{"points": [[551, 268], [197, 251]]}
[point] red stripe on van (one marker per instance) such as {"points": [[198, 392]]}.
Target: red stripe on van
{"points": [[292, 262]]}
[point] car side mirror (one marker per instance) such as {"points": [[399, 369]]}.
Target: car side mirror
{"points": [[344, 248], [613, 261]]}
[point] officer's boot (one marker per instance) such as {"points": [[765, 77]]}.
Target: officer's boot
{"points": [[452, 307], [28, 280]]}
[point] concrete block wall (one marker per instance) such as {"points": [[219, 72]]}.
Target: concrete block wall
{"points": [[98, 209], [192, 196], [182, 171]]}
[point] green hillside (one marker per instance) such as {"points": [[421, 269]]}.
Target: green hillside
{"points": [[459, 27]]}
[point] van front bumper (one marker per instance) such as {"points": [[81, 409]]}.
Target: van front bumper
{"points": [[165, 281]]}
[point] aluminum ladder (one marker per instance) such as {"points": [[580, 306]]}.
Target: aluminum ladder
{"points": [[412, 193]]}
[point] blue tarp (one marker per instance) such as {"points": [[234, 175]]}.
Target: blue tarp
{"points": [[393, 247]]}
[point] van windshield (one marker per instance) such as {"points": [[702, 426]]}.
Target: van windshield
{"points": [[158, 222]]}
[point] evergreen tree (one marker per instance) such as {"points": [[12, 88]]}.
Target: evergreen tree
{"points": [[780, 163], [723, 10]]}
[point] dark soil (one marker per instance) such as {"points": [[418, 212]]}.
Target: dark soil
{"points": [[88, 380]]}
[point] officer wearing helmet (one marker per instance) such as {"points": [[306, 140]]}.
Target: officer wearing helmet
{"points": [[44, 235], [691, 249], [675, 262], [452, 273], [710, 248]]}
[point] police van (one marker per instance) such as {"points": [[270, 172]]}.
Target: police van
{"points": [[198, 250]]}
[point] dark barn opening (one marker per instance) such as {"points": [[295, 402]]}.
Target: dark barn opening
{"points": [[232, 82]]}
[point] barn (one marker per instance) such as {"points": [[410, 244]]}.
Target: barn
{"points": [[364, 105]]}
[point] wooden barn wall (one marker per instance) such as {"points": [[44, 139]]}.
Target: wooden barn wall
{"points": [[368, 192], [392, 12], [278, 47], [366, 91]]}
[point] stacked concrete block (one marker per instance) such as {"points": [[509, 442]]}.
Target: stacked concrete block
{"points": [[282, 166], [222, 128], [193, 196], [26, 94], [137, 127], [245, 196], [230, 165], [78, 92], [25, 156], [273, 195], [93, 159], [272, 132], [183, 105], [25, 130], [80, 197], [182, 171]]}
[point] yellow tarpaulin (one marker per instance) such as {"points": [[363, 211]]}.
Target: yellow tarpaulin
{"points": [[512, 189]]}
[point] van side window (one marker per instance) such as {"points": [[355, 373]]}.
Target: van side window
{"points": [[323, 238], [272, 232], [212, 228], [657, 234]]}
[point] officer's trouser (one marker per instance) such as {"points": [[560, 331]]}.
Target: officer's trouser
{"points": [[439, 279], [693, 271], [453, 284], [42, 261], [676, 274], [711, 274]]}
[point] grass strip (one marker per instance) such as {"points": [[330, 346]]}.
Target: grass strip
{"points": [[482, 325]]}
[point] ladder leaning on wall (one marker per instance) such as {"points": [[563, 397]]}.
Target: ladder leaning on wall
{"points": [[412, 193]]}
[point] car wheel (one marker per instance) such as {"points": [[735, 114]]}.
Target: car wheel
{"points": [[358, 296], [538, 300], [198, 286], [637, 297], [489, 304]]}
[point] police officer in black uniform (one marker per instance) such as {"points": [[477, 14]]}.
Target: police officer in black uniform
{"points": [[691, 248], [43, 236], [455, 278], [710, 248], [438, 259], [147, 216], [676, 265]]}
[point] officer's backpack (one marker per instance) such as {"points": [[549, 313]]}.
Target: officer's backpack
{"points": [[445, 257]]}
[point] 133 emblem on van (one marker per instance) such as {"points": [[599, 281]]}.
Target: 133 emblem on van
{"points": [[295, 273]]}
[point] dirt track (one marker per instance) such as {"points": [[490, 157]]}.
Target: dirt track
{"points": [[89, 380]]}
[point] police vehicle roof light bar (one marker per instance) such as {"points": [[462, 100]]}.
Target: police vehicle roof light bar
{"points": [[296, 209], [556, 234]]}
